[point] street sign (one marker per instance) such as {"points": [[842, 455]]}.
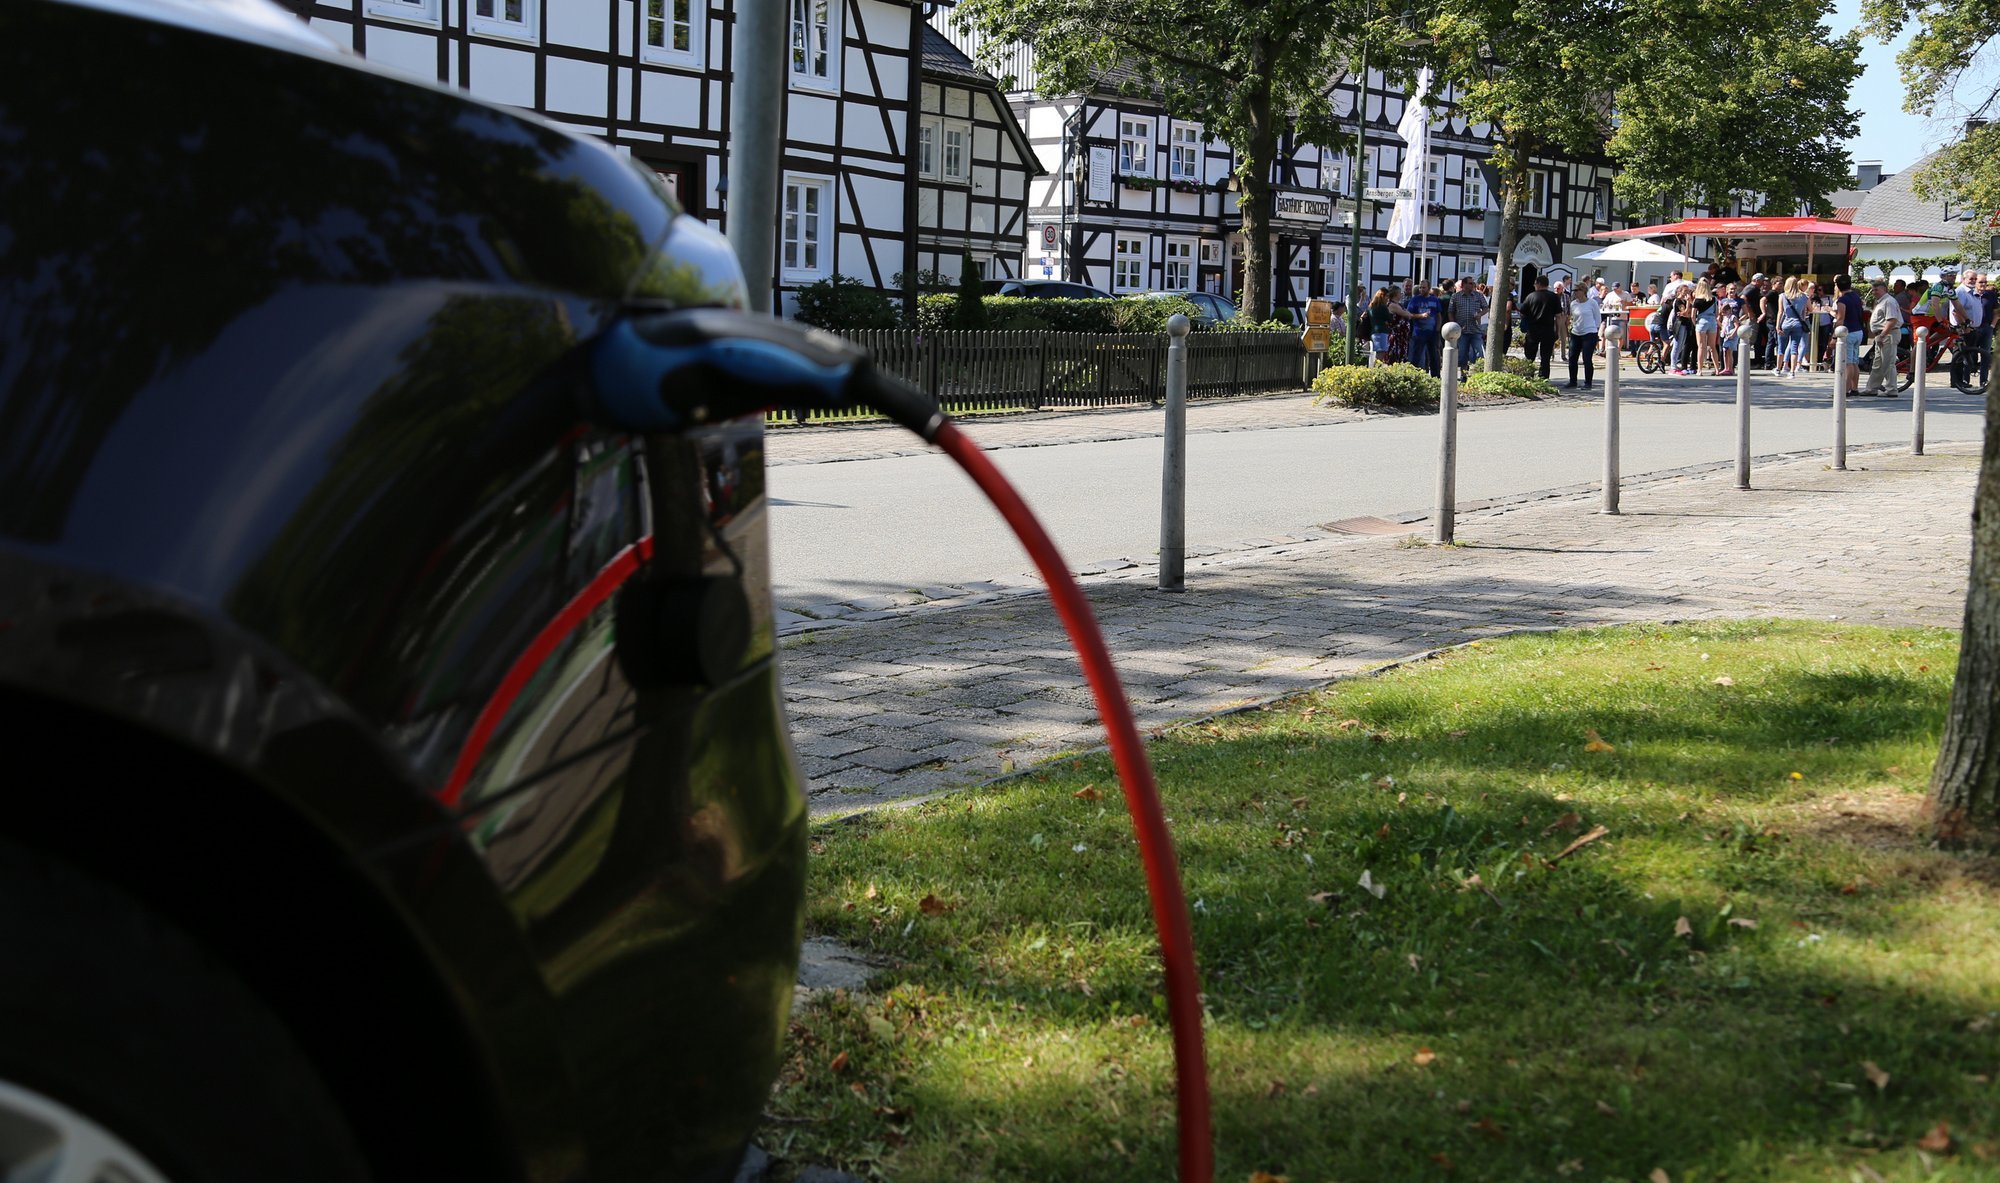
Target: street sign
{"points": [[1316, 338], [1048, 236], [1319, 312], [1388, 194], [1341, 217]]}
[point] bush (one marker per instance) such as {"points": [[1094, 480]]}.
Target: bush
{"points": [[1509, 384], [1520, 367], [1126, 315], [971, 312], [1379, 386], [843, 303]]}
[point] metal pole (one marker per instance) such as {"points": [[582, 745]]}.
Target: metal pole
{"points": [[756, 134], [1742, 412], [1611, 357], [1354, 307], [1445, 519], [1920, 364], [1840, 399], [1173, 477]]}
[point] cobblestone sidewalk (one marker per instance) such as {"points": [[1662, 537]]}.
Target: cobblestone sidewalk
{"points": [[934, 697]]}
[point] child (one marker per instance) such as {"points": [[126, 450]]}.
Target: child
{"points": [[1728, 341]]}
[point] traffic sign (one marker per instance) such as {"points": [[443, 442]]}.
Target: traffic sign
{"points": [[1319, 312], [1048, 236], [1388, 194], [1341, 217], [1316, 338]]}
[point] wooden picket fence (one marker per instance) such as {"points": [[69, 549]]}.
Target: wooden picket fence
{"points": [[973, 372]]}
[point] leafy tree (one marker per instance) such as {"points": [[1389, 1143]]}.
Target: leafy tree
{"points": [[1641, 79], [1945, 68], [1244, 69], [971, 311]]}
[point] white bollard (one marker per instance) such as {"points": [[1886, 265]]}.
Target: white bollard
{"points": [[1173, 474], [1742, 413], [1840, 399], [1611, 418], [1919, 364]]}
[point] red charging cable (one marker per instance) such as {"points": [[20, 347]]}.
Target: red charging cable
{"points": [[1142, 798]]}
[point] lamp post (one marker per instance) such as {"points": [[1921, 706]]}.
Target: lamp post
{"points": [[1354, 183]]}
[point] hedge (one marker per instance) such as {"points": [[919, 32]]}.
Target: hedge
{"points": [[939, 311], [1509, 384], [1399, 385]]}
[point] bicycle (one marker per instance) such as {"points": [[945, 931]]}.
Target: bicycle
{"points": [[1938, 349], [1650, 355]]}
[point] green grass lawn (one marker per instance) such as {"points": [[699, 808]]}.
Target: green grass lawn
{"points": [[1758, 973]]}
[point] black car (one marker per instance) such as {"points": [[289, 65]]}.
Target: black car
{"points": [[1043, 289], [398, 784], [1209, 309]]}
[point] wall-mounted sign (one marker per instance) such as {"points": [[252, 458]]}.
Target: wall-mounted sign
{"points": [[1302, 207], [1388, 194], [1533, 249], [1099, 186]]}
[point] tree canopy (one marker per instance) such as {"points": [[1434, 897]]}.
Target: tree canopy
{"points": [[1947, 72]]}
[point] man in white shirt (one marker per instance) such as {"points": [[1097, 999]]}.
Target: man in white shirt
{"points": [[1585, 316], [1975, 336], [1675, 283], [1885, 325]]}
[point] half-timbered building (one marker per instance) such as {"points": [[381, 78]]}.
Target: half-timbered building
{"points": [[1135, 199], [971, 170], [652, 77]]}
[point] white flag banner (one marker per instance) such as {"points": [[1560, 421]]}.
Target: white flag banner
{"points": [[1415, 128]]}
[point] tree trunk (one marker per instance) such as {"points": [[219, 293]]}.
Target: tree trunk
{"points": [[1259, 152], [1513, 182], [1965, 785]]}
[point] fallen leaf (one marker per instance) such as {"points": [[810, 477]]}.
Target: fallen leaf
{"points": [[1384, 831], [1651, 668], [1087, 793], [1979, 1024], [839, 1063], [1268, 1177], [1569, 1168], [1460, 734], [1441, 1158], [1595, 833], [1326, 898], [1416, 962], [1937, 1141], [1348, 724], [1796, 775], [1565, 823], [1385, 783], [1298, 803], [1373, 888], [1594, 742], [1006, 764], [1658, 1175], [1725, 680], [1486, 1126], [1312, 1090], [870, 893], [930, 905], [1876, 1076], [1682, 928], [1119, 1146], [1742, 922], [1424, 1057], [1923, 669], [1607, 1109]]}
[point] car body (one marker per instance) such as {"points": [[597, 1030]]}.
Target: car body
{"points": [[1210, 309], [1043, 289], [315, 576]]}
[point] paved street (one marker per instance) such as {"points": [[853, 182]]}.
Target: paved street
{"points": [[925, 697], [890, 523]]}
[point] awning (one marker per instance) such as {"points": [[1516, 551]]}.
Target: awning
{"points": [[1741, 227]]}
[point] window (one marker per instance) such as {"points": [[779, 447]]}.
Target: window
{"points": [[1211, 254], [673, 31], [1180, 264], [1332, 275], [1368, 163], [1475, 188], [816, 44], [1604, 206], [1135, 146], [805, 228], [1538, 194], [1433, 181], [944, 149], [503, 18], [423, 11], [1185, 162], [1332, 171], [1128, 266]]}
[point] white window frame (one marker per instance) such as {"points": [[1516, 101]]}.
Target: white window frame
{"points": [[1333, 171], [1211, 253], [527, 29], [1433, 181], [1333, 271], [1135, 146], [927, 148], [1540, 182], [936, 149], [808, 68], [1180, 257], [813, 257], [419, 12], [1370, 160], [1184, 152], [1128, 267], [666, 54], [1475, 189]]}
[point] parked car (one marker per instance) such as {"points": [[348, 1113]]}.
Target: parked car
{"points": [[400, 788], [1209, 309], [1044, 289]]}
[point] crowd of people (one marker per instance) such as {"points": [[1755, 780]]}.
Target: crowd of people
{"points": [[1702, 318]]}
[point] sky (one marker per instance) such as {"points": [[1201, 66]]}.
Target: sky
{"points": [[1888, 133]]}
